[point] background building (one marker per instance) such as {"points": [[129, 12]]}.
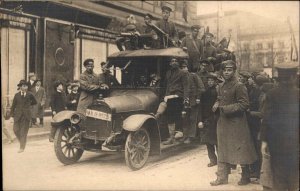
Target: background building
{"points": [[53, 38], [259, 42]]}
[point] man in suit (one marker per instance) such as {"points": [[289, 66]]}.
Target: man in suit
{"points": [[32, 78], [194, 47], [21, 112], [280, 128], [40, 95], [168, 26]]}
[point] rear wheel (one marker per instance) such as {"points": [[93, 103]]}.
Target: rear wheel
{"points": [[137, 149], [64, 147]]}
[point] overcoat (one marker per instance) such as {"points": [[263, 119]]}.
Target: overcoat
{"points": [[196, 88], [89, 83], [21, 106], [235, 145], [40, 96], [209, 118], [195, 49]]}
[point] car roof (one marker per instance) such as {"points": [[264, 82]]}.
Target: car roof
{"points": [[167, 52]]}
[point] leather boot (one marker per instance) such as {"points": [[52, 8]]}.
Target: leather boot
{"points": [[245, 179], [171, 139]]}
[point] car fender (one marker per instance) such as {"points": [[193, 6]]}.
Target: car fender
{"points": [[62, 117], [135, 122]]}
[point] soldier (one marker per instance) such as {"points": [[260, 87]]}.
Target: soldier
{"points": [[177, 94], [209, 51], [89, 85], [235, 145], [196, 89], [194, 47], [280, 129], [168, 26], [21, 112], [181, 36], [154, 41], [106, 77], [209, 118]]}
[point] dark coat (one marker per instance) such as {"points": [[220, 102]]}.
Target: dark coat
{"points": [[70, 98], [108, 79], [30, 86], [209, 51], [169, 28], [203, 76], [21, 106], [89, 84], [177, 83], [195, 49], [196, 88], [208, 99], [280, 128], [235, 145], [40, 96], [58, 101]]}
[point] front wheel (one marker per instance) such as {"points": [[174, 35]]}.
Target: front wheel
{"points": [[137, 149], [64, 148]]}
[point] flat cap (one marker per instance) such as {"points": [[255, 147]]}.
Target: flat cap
{"points": [[88, 61], [261, 79], [245, 74], [149, 15]]}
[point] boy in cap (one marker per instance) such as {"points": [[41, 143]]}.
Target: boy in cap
{"points": [[166, 25], [21, 112], [209, 119], [280, 128], [73, 97], [57, 104], [40, 95], [235, 145], [194, 48]]}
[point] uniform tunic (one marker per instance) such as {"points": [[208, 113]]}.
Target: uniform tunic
{"points": [[235, 145], [195, 49]]}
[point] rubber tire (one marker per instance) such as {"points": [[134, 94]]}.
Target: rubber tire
{"points": [[59, 152], [130, 163]]}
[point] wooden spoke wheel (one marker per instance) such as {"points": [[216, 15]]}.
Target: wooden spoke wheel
{"points": [[64, 147], [137, 149]]}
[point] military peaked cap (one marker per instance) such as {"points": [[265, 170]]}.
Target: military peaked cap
{"points": [[197, 27], [229, 64], [88, 61], [167, 8]]}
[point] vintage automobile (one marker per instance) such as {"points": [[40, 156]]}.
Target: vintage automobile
{"points": [[123, 119]]}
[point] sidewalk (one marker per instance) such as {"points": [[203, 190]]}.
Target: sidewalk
{"points": [[34, 132]]}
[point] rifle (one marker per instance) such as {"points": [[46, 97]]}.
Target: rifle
{"points": [[165, 37]]}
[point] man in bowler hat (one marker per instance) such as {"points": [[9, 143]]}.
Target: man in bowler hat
{"points": [[21, 112]]}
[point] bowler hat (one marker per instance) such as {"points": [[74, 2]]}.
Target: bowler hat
{"points": [[88, 61], [167, 8], [149, 15], [197, 27], [22, 82], [229, 64]]}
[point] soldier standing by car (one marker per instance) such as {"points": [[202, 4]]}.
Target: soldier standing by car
{"points": [[176, 96], [194, 47], [280, 129], [209, 119], [89, 85], [196, 89], [235, 145], [21, 112], [166, 25]]}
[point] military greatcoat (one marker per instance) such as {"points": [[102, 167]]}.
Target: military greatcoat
{"points": [[89, 83], [235, 145]]}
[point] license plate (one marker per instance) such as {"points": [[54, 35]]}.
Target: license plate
{"points": [[98, 115]]}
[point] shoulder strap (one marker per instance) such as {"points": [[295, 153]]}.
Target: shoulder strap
{"points": [[195, 45]]}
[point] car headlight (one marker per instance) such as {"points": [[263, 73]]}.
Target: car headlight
{"points": [[75, 118]]}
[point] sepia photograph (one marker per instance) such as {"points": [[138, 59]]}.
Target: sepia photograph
{"points": [[150, 95]]}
